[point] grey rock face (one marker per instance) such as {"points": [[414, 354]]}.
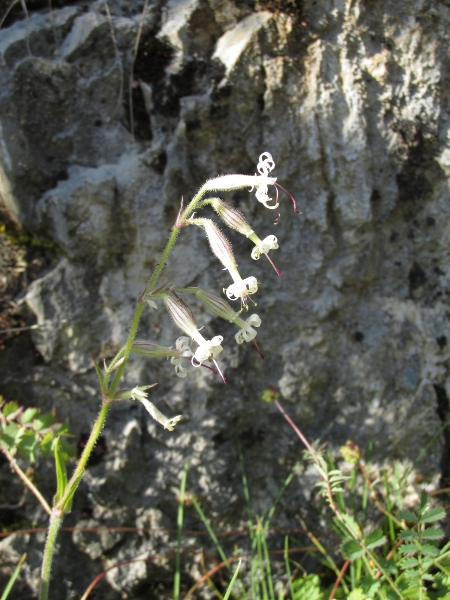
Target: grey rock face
{"points": [[98, 144]]}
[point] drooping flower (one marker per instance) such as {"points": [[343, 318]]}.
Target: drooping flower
{"points": [[241, 289], [247, 332], [264, 246], [184, 319], [207, 349]]}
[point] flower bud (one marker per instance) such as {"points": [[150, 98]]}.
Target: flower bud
{"points": [[231, 216], [152, 350], [217, 305], [181, 314], [220, 246]]}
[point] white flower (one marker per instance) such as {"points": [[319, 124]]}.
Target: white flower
{"points": [[207, 349], [269, 243], [183, 345], [247, 333], [241, 288], [265, 165]]}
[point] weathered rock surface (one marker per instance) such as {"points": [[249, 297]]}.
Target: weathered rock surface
{"points": [[97, 148]]}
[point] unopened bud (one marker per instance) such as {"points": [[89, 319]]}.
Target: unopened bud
{"points": [[217, 305], [181, 314], [152, 350], [219, 244], [231, 216]]}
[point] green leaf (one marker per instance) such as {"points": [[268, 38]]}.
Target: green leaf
{"points": [[423, 502], [408, 534], [375, 538], [429, 550], [28, 415], [412, 574], [28, 444], [351, 523], [408, 548], [390, 566], [351, 549], [10, 436], [434, 514], [61, 472], [408, 516], [102, 377], [44, 421], [68, 450], [10, 408], [46, 444], [432, 533], [409, 562]]}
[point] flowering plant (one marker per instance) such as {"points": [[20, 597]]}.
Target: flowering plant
{"points": [[173, 299]]}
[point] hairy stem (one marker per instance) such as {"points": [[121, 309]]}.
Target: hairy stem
{"points": [[55, 524]]}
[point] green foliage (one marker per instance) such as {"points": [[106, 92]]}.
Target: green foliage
{"points": [[25, 432], [419, 550]]}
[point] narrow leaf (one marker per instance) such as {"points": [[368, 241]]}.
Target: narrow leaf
{"points": [[231, 584], [13, 578], [61, 472], [423, 502]]}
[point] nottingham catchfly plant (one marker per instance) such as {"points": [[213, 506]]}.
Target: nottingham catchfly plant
{"points": [[192, 349]]}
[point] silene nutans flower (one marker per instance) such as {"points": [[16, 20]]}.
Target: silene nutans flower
{"points": [[247, 332], [184, 319]]}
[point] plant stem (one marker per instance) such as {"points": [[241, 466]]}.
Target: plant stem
{"points": [[55, 524], [64, 503]]}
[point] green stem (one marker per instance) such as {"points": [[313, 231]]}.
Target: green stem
{"points": [[55, 523], [63, 504]]}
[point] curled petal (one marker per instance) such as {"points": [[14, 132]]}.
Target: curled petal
{"points": [[265, 164], [241, 289], [248, 333], [207, 350], [269, 243]]}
